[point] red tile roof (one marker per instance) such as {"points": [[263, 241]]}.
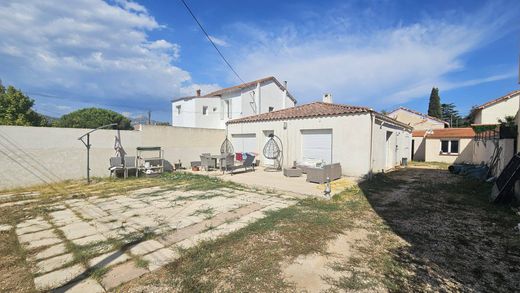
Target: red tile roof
{"points": [[240, 87], [498, 100], [466, 132], [418, 133], [420, 114], [316, 109]]}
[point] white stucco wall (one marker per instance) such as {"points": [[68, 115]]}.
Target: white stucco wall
{"points": [[419, 148], [433, 151], [484, 150], [497, 111], [55, 154], [350, 140]]}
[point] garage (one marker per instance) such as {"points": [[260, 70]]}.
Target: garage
{"points": [[317, 145], [244, 142]]}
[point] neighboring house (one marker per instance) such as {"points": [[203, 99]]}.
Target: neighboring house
{"points": [[449, 145], [359, 138], [417, 120], [213, 110], [490, 112]]}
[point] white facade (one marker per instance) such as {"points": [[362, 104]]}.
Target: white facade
{"points": [[360, 142], [417, 120], [498, 109], [215, 109]]}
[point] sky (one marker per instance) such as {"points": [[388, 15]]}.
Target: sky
{"points": [[135, 56]]}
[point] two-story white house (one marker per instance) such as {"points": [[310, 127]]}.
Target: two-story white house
{"points": [[214, 109]]}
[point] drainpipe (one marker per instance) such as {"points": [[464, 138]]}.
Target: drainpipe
{"points": [[258, 99], [372, 125]]}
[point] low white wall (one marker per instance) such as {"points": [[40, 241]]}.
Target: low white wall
{"points": [[35, 155]]}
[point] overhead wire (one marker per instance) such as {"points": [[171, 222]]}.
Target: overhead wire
{"points": [[211, 41]]}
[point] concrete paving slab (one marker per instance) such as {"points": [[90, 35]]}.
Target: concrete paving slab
{"points": [[37, 236], [160, 257], [50, 252], [108, 259], [89, 239], [121, 274], [43, 243], [53, 263], [20, 230], [146, 247], [78, 230], [85, 286], [58, 278]]}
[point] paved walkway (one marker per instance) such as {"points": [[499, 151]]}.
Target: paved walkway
{"points": [[96, 244]]}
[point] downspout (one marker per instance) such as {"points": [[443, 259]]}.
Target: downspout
{"points": [[372, 123]]}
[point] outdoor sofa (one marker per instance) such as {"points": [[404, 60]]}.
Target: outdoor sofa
{"points": [[320, 174]]}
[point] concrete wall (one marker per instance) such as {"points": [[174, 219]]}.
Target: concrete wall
{"points": [[350, 140], [483, 151], [433, 151], [416, 121], [32, 155], [499, 110]]}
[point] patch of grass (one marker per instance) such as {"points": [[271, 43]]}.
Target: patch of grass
{"points": [[208, 212], [140, 262], [197, 182], [98, 273]]}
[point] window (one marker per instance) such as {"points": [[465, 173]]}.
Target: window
{"points": [[271, 109], [178, 109], [449, 146], [204, 110], [228, 108]]}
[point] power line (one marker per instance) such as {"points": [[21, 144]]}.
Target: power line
{"points": [[211, 41]]}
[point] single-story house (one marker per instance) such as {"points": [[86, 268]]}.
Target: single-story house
{"points": [[359, 138], [417, 120], [490, 112], [449, 145]]}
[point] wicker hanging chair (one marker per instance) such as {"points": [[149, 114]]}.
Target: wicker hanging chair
{"points": [[227, 147], [273, 151]]}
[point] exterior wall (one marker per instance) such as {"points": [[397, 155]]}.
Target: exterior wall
{"points": [[497, 111], [484, 150], [391, 144], [350, 140], [32, 155], [419, 148], [433, 151], [416, 121], [266, 95]]}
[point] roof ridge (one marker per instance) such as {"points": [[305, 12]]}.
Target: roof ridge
{"points": [[419, 113], [499, 99]]}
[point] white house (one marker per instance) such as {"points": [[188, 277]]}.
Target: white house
{"points": [[417, 120], [213, 110], [490, 112], [359, 138]]}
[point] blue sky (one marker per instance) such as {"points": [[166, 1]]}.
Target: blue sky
{"points": [[136, 56]]}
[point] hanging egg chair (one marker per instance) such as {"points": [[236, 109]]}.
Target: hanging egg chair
{"points": [[273, 150], [227, 147]]}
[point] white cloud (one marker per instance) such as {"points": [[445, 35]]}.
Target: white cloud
{"points": [[219, 41], [89, 50], [374, 65]]}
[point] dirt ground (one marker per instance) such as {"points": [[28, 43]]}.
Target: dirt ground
{"points": [[412, 230]]}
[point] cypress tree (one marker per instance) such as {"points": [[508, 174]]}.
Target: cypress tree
{"points": [[434, 107]]}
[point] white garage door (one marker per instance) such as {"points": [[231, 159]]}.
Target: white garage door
{"points": [[244, 143], [317, 145]]}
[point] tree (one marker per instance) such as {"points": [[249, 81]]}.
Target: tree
{"points": [[92, 118], [16, 109], [470, 118], [451, 115], [434, 107]]}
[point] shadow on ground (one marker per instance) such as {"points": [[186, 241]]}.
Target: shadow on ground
{"points": [[457, 240]]}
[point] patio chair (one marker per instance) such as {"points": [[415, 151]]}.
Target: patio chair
{"points": [[248, 163], [229, 162], [206, 162], [130, 164], [116, 164]]}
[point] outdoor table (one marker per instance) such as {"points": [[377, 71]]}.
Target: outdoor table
{"points": [[220, 159]]}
